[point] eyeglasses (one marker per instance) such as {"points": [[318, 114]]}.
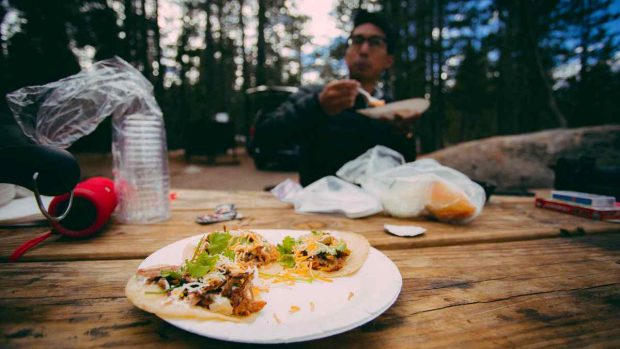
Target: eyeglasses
{"points": [[374, 42]]}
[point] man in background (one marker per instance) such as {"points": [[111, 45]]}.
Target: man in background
{"points": [[323, 119]]}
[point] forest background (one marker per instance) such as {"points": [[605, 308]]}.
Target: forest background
{"points": [[489, 67]]}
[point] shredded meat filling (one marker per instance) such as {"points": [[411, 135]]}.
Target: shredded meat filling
{"points": [[239, 290], [257, 254], [328, 262]]}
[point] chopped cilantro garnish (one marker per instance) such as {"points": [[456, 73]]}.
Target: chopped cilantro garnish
{"points": [[242, 240], [171, 274], [287, 245], [286, 252], [203, 264], [218, 242], [287, 260], [229, 253]]}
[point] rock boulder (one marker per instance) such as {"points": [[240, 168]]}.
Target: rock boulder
{"points": [[522, 161]]}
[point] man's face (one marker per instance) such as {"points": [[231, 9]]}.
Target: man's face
{"points": [[367, 55]]}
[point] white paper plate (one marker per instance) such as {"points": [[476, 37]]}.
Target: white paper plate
{"points": [[344, 304], [407, 108], [23, 210]]}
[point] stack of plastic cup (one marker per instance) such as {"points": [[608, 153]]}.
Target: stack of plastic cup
{"points": [[141, 169]]}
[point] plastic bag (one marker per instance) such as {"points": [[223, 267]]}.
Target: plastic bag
{"points": [[425, 187], [287, 190], [329, 195], [63, 111], [376, 159]]}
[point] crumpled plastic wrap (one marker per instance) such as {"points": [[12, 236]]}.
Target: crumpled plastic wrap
{"points": [[425, 187], [328, 195], [287, 190], [374, 160], [406, 190], [61, 112]]}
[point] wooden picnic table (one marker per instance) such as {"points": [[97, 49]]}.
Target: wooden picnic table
{"points": [[516, 276]]}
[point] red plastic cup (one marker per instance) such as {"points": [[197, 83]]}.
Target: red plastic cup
{"points": [[94, 201]]}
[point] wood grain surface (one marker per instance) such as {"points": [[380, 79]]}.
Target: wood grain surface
{"points": [[204, 200], [560, 292], [503, 219]]}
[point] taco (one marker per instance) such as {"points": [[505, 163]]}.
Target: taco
{"points": [[323, 254], [245, 248], [217, 279], [208, 287]]}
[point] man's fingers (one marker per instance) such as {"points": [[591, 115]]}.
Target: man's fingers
{"points": [[343, 85], [340, 94]]}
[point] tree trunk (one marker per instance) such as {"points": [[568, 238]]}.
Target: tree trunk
{"points": [[129, 28], [223, 80], [586, 27], [424, 23], [439, 84], [533, 42], [144, 43], [207, 66], [245, 64], [159, 82], [508, 94], [261, 78]]}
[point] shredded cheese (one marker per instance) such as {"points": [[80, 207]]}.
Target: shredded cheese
{"points": [[290, 277], [350, 296], [294, 309], [275, 316]]}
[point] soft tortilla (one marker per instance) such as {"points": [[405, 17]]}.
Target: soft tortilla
{"points": [[356, 243], [154, 303]]}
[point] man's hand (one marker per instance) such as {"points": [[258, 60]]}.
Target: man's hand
{"points": [[338, 95]]}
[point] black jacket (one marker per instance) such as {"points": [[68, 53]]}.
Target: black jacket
{"points": [[326, 142]]}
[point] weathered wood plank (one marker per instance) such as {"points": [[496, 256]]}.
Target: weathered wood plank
{"points": [[502, 220], [205, 200], [543, 293]]}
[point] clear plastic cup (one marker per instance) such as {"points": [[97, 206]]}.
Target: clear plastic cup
{"points": [[140, 169]]}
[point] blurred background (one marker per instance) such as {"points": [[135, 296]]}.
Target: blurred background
{"points": [[490, 67]]}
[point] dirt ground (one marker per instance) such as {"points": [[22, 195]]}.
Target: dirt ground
{"points": [[225, 173]]}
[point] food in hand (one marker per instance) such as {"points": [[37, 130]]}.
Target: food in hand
{"points": [[376, 102]]}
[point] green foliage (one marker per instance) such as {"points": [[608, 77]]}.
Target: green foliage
{"points": [[286, 251], [287, 260], [204, 263], [498, 67], [286, 247], [218, 242], [171, 274]]}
